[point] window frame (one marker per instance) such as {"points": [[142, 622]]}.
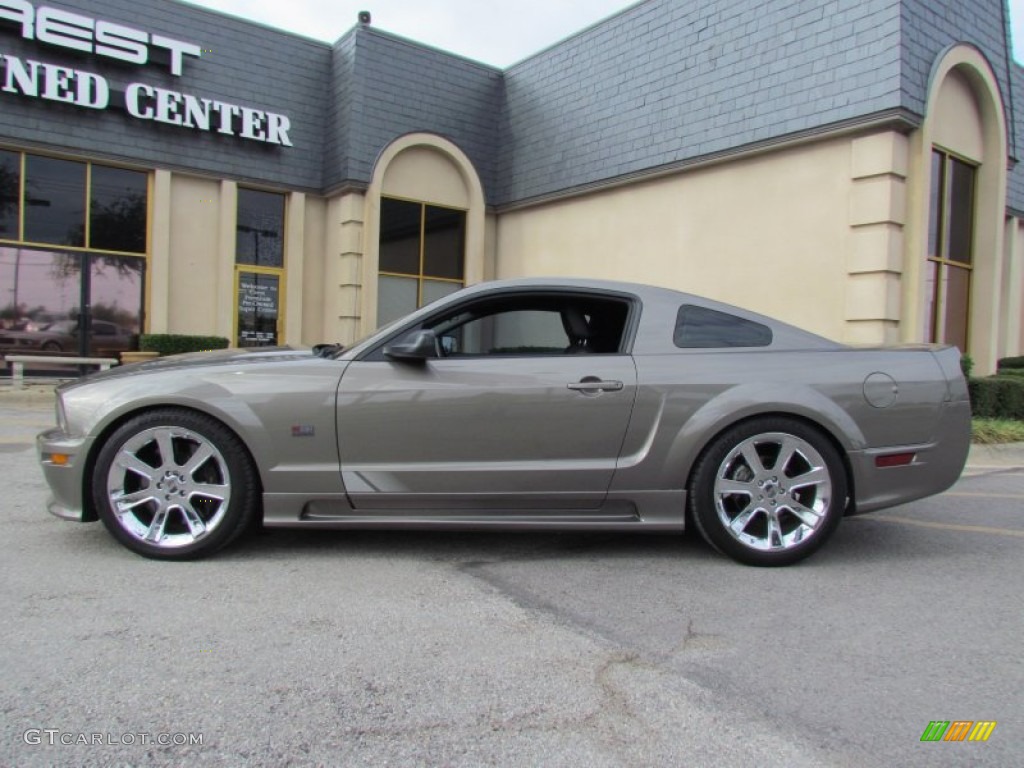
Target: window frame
{"points": [[242, 268], [935, 304], [752, 324], [629, 332], [87, 207], [421, 277]]}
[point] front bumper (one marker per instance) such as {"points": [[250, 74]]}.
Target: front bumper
{"points": [[66, 479]]}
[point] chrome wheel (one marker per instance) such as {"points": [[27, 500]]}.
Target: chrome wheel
{"points": [[768, 491], [168, 486], [772, 491]]}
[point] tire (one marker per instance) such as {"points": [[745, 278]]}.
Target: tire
{"points": [[768, 492], [51, 346], [174, 484]]}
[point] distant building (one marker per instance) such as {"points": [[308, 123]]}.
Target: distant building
{"points": [[847, 165]]}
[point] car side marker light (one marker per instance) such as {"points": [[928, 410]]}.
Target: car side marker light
{"points": [[894, 460]]}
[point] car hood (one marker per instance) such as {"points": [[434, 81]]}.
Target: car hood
{"points": [[196, 360]]}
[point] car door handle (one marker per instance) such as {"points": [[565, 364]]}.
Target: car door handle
{"points": [[590, 384]]}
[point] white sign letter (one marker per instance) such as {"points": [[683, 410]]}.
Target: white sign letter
{"points": [[133, 96], [123, 43], [177, 49], [65, 29]]}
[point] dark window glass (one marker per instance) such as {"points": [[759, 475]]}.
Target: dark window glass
{"points": [[48, 290], [534, 325], [701, 328], [400, 236], [258, 303], [961, 211], [935, 205], [37, 288], [54, 201], [116, 289], [515, 332], [117, 214], [956, 290], [444, 232], [931, 293], [950, 245], [10, 193], [260, 237]]}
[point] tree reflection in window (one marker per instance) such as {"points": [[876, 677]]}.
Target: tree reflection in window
{"points": [[117, 212]]}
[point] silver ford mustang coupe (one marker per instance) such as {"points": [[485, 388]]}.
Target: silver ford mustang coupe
{"points": [[517, 405]]}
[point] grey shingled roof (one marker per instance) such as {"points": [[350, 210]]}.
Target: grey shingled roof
{"points": [[662, 84]]}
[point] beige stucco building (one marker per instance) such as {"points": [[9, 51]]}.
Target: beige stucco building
{"points": [[851, 172]]}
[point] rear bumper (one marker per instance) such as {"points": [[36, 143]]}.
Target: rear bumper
{"points": [[936, 465]]}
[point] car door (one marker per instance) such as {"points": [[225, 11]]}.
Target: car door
{"points": [[516, 412]]}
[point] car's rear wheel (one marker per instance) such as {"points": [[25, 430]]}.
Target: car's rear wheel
{"points": [[769, 491], [174, 484]]}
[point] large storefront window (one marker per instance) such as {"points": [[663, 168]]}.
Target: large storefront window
{"points": [[950, 256], [422, 256], [259, 260], [72, 256]]}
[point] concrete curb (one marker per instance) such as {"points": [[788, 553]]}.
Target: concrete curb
{"points": [[1002, 455]]}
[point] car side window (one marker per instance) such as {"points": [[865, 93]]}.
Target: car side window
{"points": [[703, 328], [512, 332], [541, 323]]}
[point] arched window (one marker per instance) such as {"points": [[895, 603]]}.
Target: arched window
{"points": [[424, 227], [950, 250], [422, 255]]}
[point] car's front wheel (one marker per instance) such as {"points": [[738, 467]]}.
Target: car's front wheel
{"points": [[174, 484], [769, 491]]}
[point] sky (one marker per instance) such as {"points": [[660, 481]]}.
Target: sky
{"points": [[493, 33]]}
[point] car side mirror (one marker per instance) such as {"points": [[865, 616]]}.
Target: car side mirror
{"points": [[417, 347]]}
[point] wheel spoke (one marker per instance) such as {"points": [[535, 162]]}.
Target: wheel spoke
{"points": [[126, 501], [726, 487], [195, 523], [211, 491], [742, 520], [786, 452], [816, 476], [156, 529], [202, 454], [132, 463], [807, 516], [751, 456], [165, 442], [774, 531]]}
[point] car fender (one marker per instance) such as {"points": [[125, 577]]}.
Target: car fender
{"points": [[745, 401], [293, 443]]}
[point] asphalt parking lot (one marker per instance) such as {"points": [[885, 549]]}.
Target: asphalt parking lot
{"points": [[407, 649]]}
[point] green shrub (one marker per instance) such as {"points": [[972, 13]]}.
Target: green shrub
{"points": [[997, 397], [966, 365], [176, 344], [1011, 362], [1014, 372]]}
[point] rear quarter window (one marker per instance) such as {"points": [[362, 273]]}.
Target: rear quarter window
{"points": [[703, 328]]}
